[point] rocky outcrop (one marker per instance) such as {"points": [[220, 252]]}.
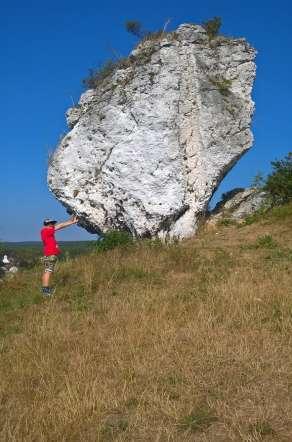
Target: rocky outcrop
{"points": [[149, 146], [238, 204]]}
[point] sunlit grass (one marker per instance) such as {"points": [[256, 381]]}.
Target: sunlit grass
{"points": [[183, 342]]}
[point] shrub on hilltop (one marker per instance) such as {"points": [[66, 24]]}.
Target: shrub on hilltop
{"points": [[279, 183], [113, 239]]}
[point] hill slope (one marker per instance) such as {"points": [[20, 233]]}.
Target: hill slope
{"points": [[188, 342]]}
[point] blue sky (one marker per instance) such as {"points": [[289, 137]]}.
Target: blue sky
{"points": [[46, 48]]}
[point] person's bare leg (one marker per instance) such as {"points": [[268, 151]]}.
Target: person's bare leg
{"points": [[46, 279]]}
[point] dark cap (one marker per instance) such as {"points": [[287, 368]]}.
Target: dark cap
{"points": [[48, 221]]}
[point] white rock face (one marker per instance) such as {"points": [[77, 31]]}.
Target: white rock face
{"points": [[149, 146]]}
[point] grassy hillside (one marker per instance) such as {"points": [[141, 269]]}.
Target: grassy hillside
{"points": [[187, 342]]}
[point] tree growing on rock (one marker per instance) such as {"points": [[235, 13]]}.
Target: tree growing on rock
{"points": [[134, 27], [212, 27]]}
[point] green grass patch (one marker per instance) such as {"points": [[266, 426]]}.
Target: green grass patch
{"points": [[9, 328], [262, 242], [227, 222], [261, 429], [15, 296], [265, 242], [280, 213], [199, 419], [114, 425], [136, 274], [14, 300]]}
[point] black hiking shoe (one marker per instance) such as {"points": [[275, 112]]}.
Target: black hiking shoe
{"points": [[47, 291]]}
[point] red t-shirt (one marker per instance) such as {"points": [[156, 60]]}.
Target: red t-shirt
{"points": [[50, 244]]}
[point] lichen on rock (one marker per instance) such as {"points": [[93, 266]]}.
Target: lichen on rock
{"points": [[150, 144]]}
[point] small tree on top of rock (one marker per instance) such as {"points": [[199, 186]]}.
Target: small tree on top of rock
{"points": [[212, 27], [134, 27]]}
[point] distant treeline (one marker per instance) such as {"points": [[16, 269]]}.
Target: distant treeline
{"points": [[27, 254]]}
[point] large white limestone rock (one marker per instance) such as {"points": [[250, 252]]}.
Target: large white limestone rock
{"points": [[149, 146]]}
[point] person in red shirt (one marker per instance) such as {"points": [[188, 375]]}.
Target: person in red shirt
{"points": [[51, 249]]}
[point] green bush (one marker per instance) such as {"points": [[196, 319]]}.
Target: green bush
{"points": [[96, 76], [212, 27], [265, 242], [279, 182], [134, 27], [222, 84], [113, 239]]}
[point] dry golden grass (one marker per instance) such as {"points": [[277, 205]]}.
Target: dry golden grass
{"points": [[189, 342]]}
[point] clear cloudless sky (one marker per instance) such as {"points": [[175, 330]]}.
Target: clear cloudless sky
{"points": [[46, 48]]}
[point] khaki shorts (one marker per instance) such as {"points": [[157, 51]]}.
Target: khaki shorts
{"points": [[49, 262]]}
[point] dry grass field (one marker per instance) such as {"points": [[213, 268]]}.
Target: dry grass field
{"points": [[186, 342]]}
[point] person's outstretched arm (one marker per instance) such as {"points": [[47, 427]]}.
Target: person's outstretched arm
{"points": [[72, 220]]}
